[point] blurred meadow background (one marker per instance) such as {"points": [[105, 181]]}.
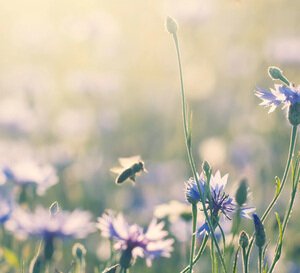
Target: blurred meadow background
{"points": [[83, 83]]}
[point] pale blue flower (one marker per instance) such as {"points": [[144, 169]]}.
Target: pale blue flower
{"points": [[133, 241], [192, 194], [42, 224], [29, 172], [282, 94]]}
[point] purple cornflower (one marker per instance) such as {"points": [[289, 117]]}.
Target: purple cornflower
{"points": [[42, 223], [29, 172], [133, 241], [282, 94], [217, 200], [48, 226]]}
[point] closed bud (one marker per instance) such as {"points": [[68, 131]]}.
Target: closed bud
{"points": [[244, 239], [241, 193], [260, 235], [171, 25], [294, 114], [276, 74], [206, 167], [78, 251], [186, 216], [54, 208]]}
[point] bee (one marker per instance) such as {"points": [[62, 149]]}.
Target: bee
{"points": [[131, 166]]}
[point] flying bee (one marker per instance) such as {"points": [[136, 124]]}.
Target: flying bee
{"points": [[131, 166]]}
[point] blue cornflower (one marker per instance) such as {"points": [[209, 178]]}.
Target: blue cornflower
{"points": [[133, 241], [29, 172], [191, 189], [282, 94]]}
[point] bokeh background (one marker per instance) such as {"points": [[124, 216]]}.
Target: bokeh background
{"points": [[83, 83]]}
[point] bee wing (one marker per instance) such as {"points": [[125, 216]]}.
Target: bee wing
{"points": [[116, 170], [128, 161]]}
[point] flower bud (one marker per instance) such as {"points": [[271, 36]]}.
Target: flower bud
{"points": [[206, 167], [241, 193], [244, 239], [276, 74], [186, 216], [54, 208], [260, 235], [78, 251], [171, 25], [294, 114]]}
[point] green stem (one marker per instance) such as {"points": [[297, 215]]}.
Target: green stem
{"points": [[194, 216], [214, 263], [285, 174], [198, 255], [190, 157], [260, 260], [283, 180], [245, 262], [286, 218]]}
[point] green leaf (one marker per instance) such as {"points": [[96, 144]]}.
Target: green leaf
{"points": [[10, 257], [280, 237]]}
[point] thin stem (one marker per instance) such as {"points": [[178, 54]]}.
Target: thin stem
{"points": [[285, 174], [194, 216], [190, 157], [198, 255], [185, 125], [245, 263], [260, 260], [214, 265], [283, 180], [287, 216]]}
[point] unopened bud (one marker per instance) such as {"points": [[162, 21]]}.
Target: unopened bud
{"points": [[186, 216], [276, 74], [54, 208], [260, 235], [206, 167], [171, 25], [244, 239], [78, 251], [241, 193]]}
